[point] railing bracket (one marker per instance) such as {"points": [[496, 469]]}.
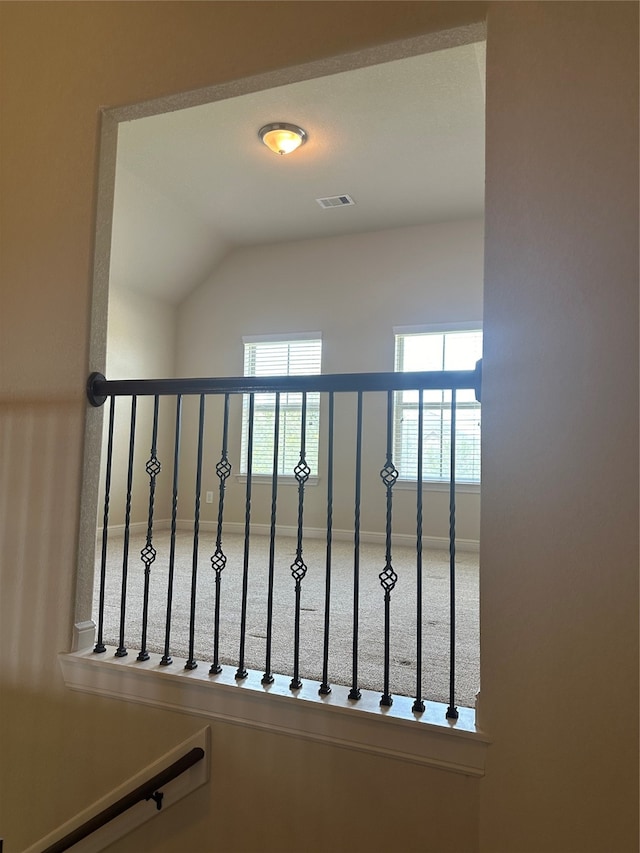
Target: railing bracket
{"points": [[157, 798], [95, 399], [131, 799]]}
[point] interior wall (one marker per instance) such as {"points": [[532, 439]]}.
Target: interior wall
{"points": [[61, 63], [559, 575], [141, 344], [559, 532], [141, 334], [354, 290]]}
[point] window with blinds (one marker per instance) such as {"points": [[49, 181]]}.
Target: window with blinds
{"points": [[450, 349], [293, 355]]}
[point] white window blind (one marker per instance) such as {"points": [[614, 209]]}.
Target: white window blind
{"points": [[294, 356], [455, 349]]}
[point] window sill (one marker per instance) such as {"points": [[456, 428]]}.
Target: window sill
{"points": [[395, 732]]}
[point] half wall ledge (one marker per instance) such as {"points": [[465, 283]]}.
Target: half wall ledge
{"points": [[395, 732]]}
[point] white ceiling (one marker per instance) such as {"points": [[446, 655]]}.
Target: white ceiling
{"points": [[404, 139]]}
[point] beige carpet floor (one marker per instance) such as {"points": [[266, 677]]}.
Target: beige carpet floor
{"points": [[435, 572]]}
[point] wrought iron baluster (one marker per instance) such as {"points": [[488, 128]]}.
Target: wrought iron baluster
{"points": [[241, 672], [354, 693], [452, 711], [121, 651], [388, 577], [298, 567], [148, 553], [418, 705], [166, 657], [191, 661], [100, 646], [267, 678], [325, 687], [219, 560]]}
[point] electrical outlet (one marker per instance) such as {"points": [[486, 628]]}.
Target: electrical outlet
{"points": [[209, 497]]}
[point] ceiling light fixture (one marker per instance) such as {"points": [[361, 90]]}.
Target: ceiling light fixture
{"points": [[282, 138]]}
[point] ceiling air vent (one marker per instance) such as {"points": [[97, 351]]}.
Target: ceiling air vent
{"points": [[335, 201]]}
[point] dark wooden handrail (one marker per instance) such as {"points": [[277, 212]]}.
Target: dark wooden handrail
{"points": [[149, 790], [99, 388]]}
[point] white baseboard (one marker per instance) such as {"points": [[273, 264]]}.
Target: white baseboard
{"points": [[136, 527], [125, 823], [84, 635], [370, 537]]}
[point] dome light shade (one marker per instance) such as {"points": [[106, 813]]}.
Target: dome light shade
{"points": [[282, 138]]}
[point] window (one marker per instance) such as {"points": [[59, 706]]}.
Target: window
{"points": [[433, 348], [290, 355]]}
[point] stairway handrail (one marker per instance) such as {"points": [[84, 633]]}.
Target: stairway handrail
{"points": [[149, 790], [99, 388]]}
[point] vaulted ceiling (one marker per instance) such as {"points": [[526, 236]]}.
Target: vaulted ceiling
{"points": [[404, 139]]}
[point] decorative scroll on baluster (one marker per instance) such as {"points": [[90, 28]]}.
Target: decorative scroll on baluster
{"points": [[325, 687], [267, 678], [241, 672], [354, 693], [418, 705], [121, 651], [100, 646], [388, 577], [452, 711], [166, 657], [219, 560], [191, 661], [148, 553], [298, 567]]}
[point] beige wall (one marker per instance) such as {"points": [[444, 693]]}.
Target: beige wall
{"points": [[141, 336], [62, 62], [559, 580], [141, 344], [559, 532], [354, 289]]}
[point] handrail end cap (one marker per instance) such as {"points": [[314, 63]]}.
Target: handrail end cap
{"points": [[94, 398]]}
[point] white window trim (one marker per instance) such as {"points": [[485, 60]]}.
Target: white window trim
{"points": [[462, 486], [285, 338], [435, 328], [282, 336]]}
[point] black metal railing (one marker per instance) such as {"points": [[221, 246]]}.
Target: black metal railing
{"points": [[149, 790], [227, 427]]}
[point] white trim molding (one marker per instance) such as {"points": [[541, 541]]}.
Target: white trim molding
{"points": [[427, 328], [282, 336], [436, 543], [396, 732]]}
